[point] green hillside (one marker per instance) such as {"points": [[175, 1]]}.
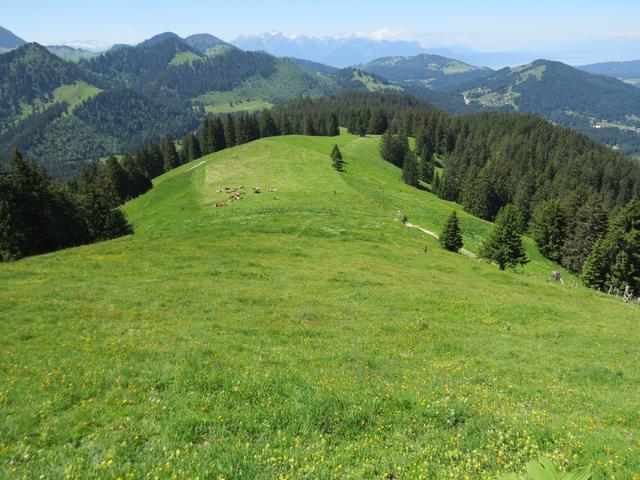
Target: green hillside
{"points": [[303, 333], [604, 108]]}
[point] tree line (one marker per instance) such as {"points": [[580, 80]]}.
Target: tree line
{"points": [[528, 175], [39, 215]]}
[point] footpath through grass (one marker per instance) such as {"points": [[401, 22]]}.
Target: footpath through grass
{"points": [[303, 333]]}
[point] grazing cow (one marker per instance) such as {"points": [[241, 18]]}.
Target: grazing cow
{"points": [[556, 277]]}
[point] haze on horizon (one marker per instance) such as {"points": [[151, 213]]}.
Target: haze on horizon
{"points": [[572, 31]]}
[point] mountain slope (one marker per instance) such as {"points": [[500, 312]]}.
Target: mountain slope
{"points": [[626, 71], [337, 52], [8, 40], [207, 44], [71, 54], [167, 81], [308, 328], [29, 74], [432, 71], [603, 107], [61, 115]]}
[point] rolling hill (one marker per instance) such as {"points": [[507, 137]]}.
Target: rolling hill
{"points": [[432, 71], [626, 71], [303, 333], [605, 108]]}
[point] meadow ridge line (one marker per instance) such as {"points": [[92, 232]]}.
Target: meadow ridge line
{"points": [[463, 251], [196, 166]]}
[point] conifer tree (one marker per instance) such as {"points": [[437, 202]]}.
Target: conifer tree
{"points": [[504, 245], [230, 131], [410, 170], [118, 179], [170, 155], [393, 148], [589, 225], [549, 229], [436, 186], [309, 127], [333, 126], [268, 126], [427, 165], [219, 135], [478, 197], [139, 183], [595, 269], [451, 238], [336, 158], [378, 123], [285, 125]]}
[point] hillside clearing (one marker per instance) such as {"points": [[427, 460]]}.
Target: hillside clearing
{"points": [[305, 334]]}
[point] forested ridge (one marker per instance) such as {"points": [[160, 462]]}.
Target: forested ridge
{"points": [[137, 93], [559, 186]]}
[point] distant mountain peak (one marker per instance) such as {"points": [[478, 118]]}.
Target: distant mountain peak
{"points": [[343, 51], [9, 40], [160, 38]]}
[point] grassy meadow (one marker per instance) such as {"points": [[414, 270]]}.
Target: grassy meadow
{"points": [[303, 333]]}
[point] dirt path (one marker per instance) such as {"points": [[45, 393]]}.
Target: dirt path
{"points": [[196, 166], [463, 251]]}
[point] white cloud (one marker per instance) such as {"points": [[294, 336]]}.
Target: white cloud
{"points": [[384, 33]]}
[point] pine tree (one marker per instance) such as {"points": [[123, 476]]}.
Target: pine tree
{"points": [[333, 126], [336, 158], [118, 179], [589, 225], [378, 123], [427, 165], [393, 148], [596, 266], [410, 170], [170, 155], [268, 126], [478, 196], [436, 186], [285, 125], [309, 127], [504, 245], [549, 229], [139, 183], [230, 131], [98, 204], [219, 134], [451, 238]]}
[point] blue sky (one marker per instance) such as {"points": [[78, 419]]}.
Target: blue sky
{"points": [[485, 25]]}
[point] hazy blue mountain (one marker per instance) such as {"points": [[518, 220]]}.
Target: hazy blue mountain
{"points": [[9, 40], [337, 52], [314, 67], [493, 60], [70, 53], [626, 71], [432, 71]]}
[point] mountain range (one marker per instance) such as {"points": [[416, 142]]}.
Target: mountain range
{"points": [[337, 52], [63, 114], [626, 71], [169, 82], [604, 108]]}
